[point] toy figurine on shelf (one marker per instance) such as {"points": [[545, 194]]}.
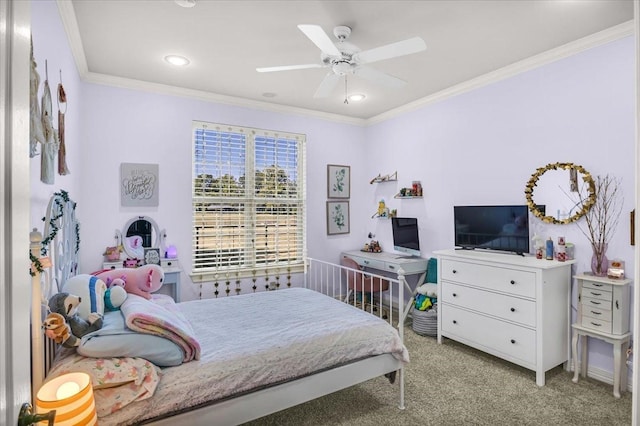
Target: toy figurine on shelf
{"points": [[373, 247]]}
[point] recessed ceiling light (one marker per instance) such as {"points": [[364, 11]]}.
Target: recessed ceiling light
{"points": [[179, 61], [357, 97], [186, 3]]}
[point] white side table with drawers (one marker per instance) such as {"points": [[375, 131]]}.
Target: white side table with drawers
{"points": [[603, 313]]}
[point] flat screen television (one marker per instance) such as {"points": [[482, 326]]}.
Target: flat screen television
{"points": [[405, 235], [504, 228]]}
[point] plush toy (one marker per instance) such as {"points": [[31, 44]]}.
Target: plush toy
{"points": [[116, 294], [91, 291], [141, 281], [57, 329], [67, 305]]}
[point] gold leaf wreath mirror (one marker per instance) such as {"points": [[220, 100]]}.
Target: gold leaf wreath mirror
{"points": [[564, 189]]}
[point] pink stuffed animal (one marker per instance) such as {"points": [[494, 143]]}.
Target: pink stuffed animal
{"points": [[141, 281]]}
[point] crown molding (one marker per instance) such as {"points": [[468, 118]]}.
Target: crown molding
{"points": [[70, 23], [610, 34]]}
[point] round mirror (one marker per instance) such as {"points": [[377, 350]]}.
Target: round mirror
{"points": [[139, 233], [564, 192]]}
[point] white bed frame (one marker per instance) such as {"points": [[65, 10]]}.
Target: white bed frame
{"points": [[324, 277]]}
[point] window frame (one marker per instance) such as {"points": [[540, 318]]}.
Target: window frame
{"points": [[250, 266]]}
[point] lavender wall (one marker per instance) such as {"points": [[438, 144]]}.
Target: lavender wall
{"points": [[477, 148], [483, 146], [51, 50]]}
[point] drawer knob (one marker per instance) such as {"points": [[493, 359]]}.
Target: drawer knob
{"points": [[513, 341], [112, 267], [169, 263], [596, 313], [455, 295], [392, 267], [512, 282], [513, 309], [597, 285], [594, 302], [596, 324], [454, 271], [617, 305], [455, 322], [596, 294]]}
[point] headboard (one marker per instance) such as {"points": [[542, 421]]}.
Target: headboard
{"points": [[54, 256]]}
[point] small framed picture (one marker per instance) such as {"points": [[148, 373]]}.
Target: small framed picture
{"points": [[152, 256], [337, 217], [338, 181]]}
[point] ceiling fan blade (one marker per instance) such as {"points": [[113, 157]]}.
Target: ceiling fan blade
{"points": [[328, 84], [400, 48], [379, 77], [316, 34], [288, 67]]}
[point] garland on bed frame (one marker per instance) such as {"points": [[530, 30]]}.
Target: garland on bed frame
{"points": [[36, 264]]}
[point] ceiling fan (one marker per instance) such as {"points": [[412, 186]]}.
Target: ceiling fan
{"points": [[345, 58]]}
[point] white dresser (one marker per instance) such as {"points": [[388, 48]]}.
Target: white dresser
{"points": [[172, 270], [514, 307]]}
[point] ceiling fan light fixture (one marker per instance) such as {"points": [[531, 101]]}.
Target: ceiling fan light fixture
{"points": [[185, 3], [179, 61], [357, 97]]}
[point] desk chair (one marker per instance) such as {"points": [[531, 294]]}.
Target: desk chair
{"points": [[365, 289]]}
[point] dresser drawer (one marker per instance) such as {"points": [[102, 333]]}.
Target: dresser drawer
{"points": [[589, 302], [596, 324], [169, 263], [596, 286], [370, 263], [509, 339], [509, 308], [518, 282], [597, 313], [597, 293]]}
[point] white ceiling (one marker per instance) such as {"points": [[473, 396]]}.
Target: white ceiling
{"points": [[468, 42]]}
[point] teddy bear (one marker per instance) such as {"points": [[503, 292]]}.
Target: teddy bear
{"points": [[141, 281], [67, 305], [116, 294], [57, 329]]}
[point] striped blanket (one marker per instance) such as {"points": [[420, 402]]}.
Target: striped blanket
{"points": [[161, 316]]}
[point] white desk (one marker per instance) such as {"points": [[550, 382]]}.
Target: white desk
{"points": [[392, 263]]}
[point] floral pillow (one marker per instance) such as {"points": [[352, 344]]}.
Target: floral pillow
{"points": [[117, 382]]}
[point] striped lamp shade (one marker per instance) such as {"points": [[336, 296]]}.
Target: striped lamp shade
{"points": [[71, 395]]}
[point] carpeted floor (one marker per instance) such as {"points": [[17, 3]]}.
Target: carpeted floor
{"points": [[452, 384]]}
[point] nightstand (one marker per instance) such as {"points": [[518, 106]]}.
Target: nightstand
{"points": [[603, 313]]}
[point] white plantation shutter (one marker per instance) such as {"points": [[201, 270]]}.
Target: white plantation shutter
{"points": [[248, 200]]}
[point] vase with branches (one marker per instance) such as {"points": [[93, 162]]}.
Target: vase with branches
{"points": [[602, 220]]}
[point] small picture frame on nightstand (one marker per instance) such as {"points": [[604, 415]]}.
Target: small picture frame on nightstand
{"points": [[152, 256]]}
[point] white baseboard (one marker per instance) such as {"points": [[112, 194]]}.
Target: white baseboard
{"points": [[605, 376]]}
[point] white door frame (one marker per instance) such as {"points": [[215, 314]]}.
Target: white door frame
{"points": [[635, 402], [15, 283]]}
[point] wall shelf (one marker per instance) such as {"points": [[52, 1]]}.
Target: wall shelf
{"points": [[406, 196], [386, 178]]}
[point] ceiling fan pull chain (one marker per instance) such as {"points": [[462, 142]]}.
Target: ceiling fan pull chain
{"points": [[346, 98]]}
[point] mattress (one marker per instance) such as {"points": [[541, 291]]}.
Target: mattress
{"points": [[255, 340]]}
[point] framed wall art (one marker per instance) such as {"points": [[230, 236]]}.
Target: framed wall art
{"points": [[152, 256], [338, 181], [337, 217], [139, 185]]}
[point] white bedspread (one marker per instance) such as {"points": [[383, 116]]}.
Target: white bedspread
{"points": [[257, 339]]}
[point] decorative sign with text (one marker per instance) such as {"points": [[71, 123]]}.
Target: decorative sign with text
{"points": [[139, 185]]}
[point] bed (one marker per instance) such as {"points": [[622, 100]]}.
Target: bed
{"points": [[267, 350]]}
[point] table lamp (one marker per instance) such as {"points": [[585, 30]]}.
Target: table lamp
{"points": [[71, 396]]}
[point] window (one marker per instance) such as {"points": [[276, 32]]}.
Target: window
{"points": [[248, 201]]}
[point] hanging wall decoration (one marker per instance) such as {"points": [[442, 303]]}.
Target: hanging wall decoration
{"points": [[139, 185], [62, 150], [51, 143], [36, 134]]}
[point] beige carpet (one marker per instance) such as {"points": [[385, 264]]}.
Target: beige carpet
{"points": [[451, 384]]}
